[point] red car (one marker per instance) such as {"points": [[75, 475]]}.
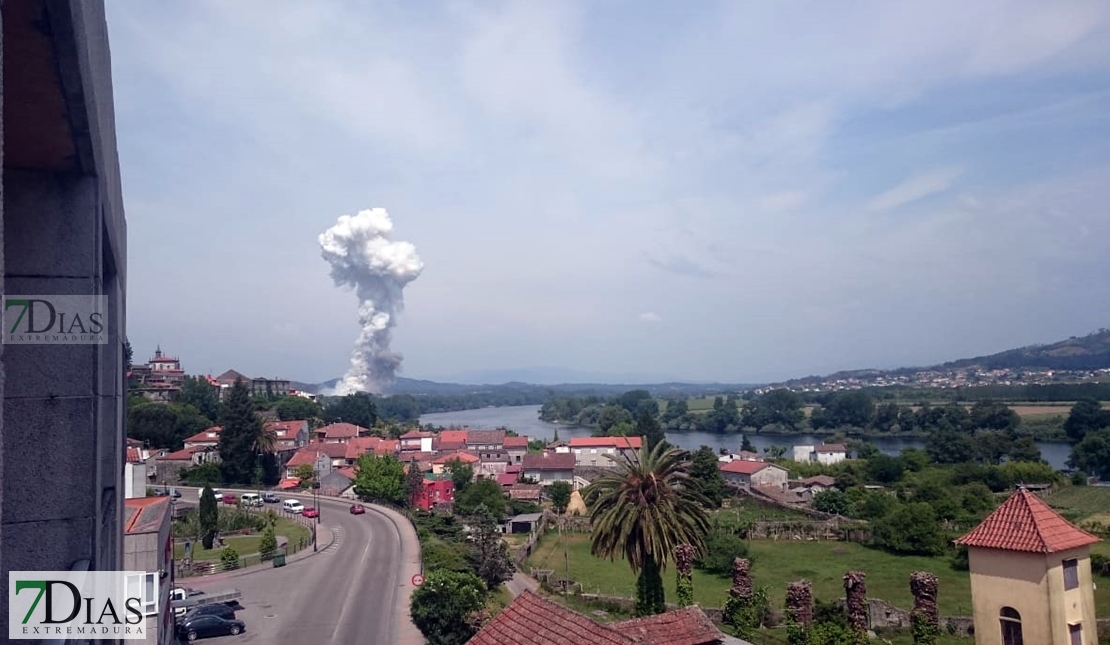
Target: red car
{"points": [[310, 512], [357, 509], [229, 499]]}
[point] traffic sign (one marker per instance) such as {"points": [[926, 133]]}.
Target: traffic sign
{"points": [[417, 580]]}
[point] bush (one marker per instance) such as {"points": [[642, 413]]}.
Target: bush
{"points": [[910, 529], [721, 548], [229, 558], [960, 561], [268, 545]]}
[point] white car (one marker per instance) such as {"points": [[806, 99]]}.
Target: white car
{"points": [[215, 491]]}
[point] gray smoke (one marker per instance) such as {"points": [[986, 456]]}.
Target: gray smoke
{"points": [[362, 256]]}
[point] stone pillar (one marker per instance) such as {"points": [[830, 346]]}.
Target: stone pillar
{"points": [[741, 579], [799, 602], [925, 618], [684, 561], [855, 595]]}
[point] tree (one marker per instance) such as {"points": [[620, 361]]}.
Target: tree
{"points": [[267, 546], [461, 474], [745, 445], [885, 469], [648, 427], [634, 399], [441, 607], [612, 415], [482, 492], [240, 434], [489, 554], [197, 392], [559, 493], [1025, 449], [992, 415], [781, 406], [853, 408], [675, 410], [380, 478], [642, 511], [127, 354], [706, 471], [1092, 454], [831, 501], [414, 482], [297, 408], [357, 408], [1086, 416], [910, 529], [208, 516], [154, 424]]}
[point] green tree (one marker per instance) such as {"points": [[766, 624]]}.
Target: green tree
{"points": [[380, 478], [297, 408], [241, 430], [853, 408], [1092, 453], [647, 426], [461, 472], [489, 555], [831, 501], [267, 546], [1025, 449], [993, 415], [722, 547], [485, 492], [612, 415], [1086, 416], [642, 511], [208, 516], [197, 392], [745, 445], [910, 529], [559, 493], [127, 354], [155, 424], [778, 407], [442, 606], [357, 408], [634, 399], [675, 410], [706, 471], [885, 469], [414, 482]]}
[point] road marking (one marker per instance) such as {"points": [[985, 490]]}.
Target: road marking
{"points": [[336, 540]]}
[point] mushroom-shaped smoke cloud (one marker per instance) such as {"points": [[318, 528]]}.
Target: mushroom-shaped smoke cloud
{"points": [[363, 256]]}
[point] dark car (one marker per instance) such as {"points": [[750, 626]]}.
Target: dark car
{"points": [[203, 626], [270, 498], [220, 610], [357, 509]]}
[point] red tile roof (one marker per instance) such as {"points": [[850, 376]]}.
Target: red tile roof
{"points": [[358, 446], [508, 479], [481, 437], [144, 514], [606, 442], [185, 454], [307, 456], [291, 428], [202, 436], [516, 442], [417, 434], [533, 620], [388, 447], [550, 461], [831, 447], [1025, 523], [464, 457], [134, 456], [689, 626], [744, 467], [453, 437], [340, 431]]}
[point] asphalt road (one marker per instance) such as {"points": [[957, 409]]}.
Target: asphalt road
{"points": [[355, 591]]}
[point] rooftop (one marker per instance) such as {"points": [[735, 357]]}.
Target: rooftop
{"points": [[485, 437], [831, 447], [144, 514], [1025, 523], [550, 461], [340, 430], [633, 443], [744, 467]]}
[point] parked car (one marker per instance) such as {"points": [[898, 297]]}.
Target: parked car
{"points": [[357, 509], [311, 512], [229, 499], [202, 626], [270, 498], [219, 610]]}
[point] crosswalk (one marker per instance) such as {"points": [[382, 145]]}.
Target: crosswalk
{"points": [[337, 541]]}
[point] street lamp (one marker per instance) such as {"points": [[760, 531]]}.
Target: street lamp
{"points": [[316, 506]]}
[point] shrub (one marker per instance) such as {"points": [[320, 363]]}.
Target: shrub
{"points": [[229, 558], [721, 549], [268, 545]]}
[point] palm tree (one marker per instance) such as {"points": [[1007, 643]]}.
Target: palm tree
{"points": [[265, 443], [643, 511]]}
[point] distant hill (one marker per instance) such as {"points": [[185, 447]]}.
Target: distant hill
{"points": [[419, 387]]}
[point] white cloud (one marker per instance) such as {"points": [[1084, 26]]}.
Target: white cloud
{"points": [[915, 188], [650, 317], [783, 201]]}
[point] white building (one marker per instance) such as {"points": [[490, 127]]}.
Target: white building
{"points": [[830, 453]]}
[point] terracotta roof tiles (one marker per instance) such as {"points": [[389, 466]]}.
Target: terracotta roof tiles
{"points": [[623, 443], [689, 626], [550, 461], [1025, 523]]}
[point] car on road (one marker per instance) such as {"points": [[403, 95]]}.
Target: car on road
{"points": [[311, 511], [270, 498], [203, 626], [357, 509], [219, 610], [229, 499]]}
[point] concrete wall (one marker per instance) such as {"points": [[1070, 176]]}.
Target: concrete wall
{"points": [[771, 476], [63, 233], [147, 552], [135, 480], [1032, 584]]}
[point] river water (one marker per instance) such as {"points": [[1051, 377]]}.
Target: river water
{"points": [[525, 420]]}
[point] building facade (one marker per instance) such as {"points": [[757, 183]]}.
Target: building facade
{"points": [[600, 451], [1031, 576], [746, 474], [63, 233], [549, 467], [148, 547]]}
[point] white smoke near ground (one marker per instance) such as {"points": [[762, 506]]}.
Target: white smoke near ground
{"points": [[363, 256]]}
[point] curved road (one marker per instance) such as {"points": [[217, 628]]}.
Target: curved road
{"points": [[355, 591]]}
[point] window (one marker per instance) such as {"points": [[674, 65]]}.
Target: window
{"points": [[1071, 574], [1076, 633], [1011, 626], [144, 587]]}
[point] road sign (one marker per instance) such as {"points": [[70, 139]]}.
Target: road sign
{"points": [[417, 580]]}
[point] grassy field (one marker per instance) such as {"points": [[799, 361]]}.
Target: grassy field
{"points": [[1024, 409], [1083, 504], [246, 544], [776, 563]]}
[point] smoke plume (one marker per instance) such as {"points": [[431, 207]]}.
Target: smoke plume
{"points": [[363, 256]]}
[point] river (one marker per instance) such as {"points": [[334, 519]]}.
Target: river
{"points": [[525, 420]]}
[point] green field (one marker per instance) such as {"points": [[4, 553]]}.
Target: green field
{"points": [[246, 545], [776, 563], [1082, 504]]}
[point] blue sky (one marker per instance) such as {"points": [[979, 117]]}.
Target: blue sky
{"points": [[714, 191]]}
